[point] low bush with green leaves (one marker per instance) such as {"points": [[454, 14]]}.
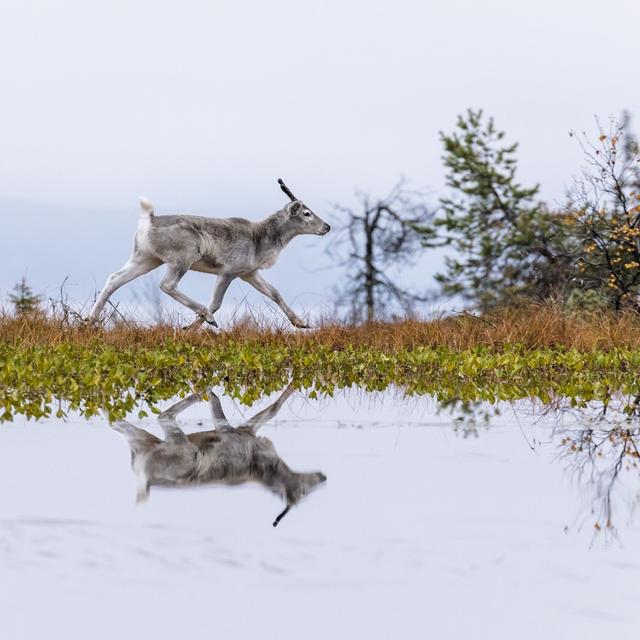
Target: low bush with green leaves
{"points": [[53, 380]]}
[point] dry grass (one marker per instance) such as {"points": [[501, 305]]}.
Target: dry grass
{"points": [[532, 327]]}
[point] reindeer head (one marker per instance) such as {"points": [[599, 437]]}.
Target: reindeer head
{"points": [[301, 218], [297, 487]]}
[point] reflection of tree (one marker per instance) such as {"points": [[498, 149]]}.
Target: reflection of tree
{"points": [[468, 415], [600, 449], [600, 457]]}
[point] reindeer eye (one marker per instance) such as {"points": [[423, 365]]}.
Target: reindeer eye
{"points": [[307, 213]]}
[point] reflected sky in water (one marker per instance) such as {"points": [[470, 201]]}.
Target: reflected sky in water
{"points": [[521, 515]]}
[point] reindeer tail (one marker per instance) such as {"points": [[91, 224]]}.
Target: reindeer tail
{"points": [[146, 208]]}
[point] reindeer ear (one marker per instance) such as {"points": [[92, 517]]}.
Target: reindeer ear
{"points": [[294, 208]]}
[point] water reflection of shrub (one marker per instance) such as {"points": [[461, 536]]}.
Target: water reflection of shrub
{"points": [[601, 450], [469, 416]]}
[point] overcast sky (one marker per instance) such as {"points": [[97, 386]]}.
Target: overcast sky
{"points": [[201, 105]]}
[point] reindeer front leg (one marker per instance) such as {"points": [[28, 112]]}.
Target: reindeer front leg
{"points": [[168, 422], [169, 284], [259, 283], [217, 414], [255, 422], [222, 284]]}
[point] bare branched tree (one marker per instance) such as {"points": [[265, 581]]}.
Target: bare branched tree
{"points": [[377, 236]]}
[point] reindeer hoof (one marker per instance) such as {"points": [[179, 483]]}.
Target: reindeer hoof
{"points": [[198, 323], [301, 325]]}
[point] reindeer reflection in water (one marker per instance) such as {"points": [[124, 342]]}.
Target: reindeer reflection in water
{"points": [[226, 455]]}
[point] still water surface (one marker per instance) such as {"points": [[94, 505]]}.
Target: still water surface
{"points": [[432, 522]]}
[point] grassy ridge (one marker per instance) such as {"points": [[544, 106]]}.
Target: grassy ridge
{"points": [[49, 367], [537, 326]]}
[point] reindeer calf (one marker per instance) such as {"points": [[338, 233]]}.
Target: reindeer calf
{"points": [[229, 247]]}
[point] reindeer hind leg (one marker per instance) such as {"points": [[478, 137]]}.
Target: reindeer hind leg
{"points": [[137, 265]]}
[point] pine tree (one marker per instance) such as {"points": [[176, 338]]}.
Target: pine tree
{"points": [[507, 242], [24, 301]]}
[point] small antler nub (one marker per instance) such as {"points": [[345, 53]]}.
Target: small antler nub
{"points": [[281, 515], [286, 189]]}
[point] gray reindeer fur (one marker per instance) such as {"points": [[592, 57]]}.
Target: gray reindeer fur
{"points": [[229, 247], [225, 455]]}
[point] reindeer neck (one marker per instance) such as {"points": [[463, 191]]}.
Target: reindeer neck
{"points": [[276, 231], [275, 475]]}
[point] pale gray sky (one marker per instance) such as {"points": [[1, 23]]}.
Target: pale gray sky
{"points": [[202, 105]]}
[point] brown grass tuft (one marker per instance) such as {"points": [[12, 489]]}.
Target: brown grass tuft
{"points": [[532, 327]]}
